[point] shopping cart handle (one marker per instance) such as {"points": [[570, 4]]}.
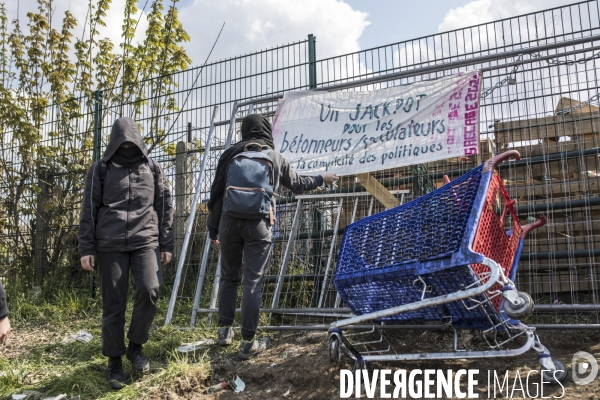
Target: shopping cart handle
{"points": [[491, 164], [529, 227]]}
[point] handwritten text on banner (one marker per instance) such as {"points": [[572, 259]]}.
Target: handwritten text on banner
{"points": [[352, 132]]}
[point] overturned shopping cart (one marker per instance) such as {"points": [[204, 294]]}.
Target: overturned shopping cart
{"points": [[450, 256]]}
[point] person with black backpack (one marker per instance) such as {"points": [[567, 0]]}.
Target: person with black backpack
{"points": [[126, 221], [242, 211]]}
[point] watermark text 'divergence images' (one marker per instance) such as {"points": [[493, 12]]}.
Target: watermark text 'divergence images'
{"points": [[464, 383]]}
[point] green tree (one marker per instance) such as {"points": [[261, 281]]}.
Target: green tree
{"points": [[47, 80]]}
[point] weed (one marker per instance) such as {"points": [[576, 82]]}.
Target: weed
{"points": [[36, 361]]}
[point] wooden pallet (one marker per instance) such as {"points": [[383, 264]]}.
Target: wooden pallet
{"points": [[543, 149], [548, 283], [575, 127], [565, 229], [559, 170], [567, 105], [581, 240], [554, 264], [578, 213], [547, 129], [553, 189]]}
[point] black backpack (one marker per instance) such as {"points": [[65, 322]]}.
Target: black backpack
{"points": [[249, 184]]}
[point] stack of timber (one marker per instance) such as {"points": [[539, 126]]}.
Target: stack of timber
{"points": [[561, 178]]}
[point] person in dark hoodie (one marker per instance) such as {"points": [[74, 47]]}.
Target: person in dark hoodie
{"points": [[245, 244], [4, 322], [126, 221]]}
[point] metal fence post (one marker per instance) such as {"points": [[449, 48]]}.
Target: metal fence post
{"points": [[97, 123], [287, 255], [338, 299], [191, 218], [96, 156], [215, 292], [312, 61], [331, 250], [200, 282]]}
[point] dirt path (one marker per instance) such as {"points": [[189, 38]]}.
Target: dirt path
{"points": [[298, 366]]}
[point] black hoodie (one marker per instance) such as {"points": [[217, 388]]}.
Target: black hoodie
{"points": [[134, 210], [255, 128]]}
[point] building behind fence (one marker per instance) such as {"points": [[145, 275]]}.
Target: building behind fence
{"points": [[539, 96]]}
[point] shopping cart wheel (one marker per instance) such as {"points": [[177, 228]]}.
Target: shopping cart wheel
{"points": [[334, 349], [359, 364], [561, 373], [521, 310]]}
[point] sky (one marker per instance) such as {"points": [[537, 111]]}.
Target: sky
{"points": [[340, 26]]}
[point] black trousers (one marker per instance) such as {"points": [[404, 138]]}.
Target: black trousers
{"points": [[114, 270], [245, 248]]}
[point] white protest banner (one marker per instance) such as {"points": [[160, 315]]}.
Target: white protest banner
{"points": [[352, 132]]}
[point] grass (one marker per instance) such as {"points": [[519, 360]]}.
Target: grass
{"points": [[36, 362]]}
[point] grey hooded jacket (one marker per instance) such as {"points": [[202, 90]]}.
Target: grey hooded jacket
{"points": [[134, 210]]}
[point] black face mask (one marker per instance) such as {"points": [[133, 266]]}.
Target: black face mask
{"points": [[129, 152]]}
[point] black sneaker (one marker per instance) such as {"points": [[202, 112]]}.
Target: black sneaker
{"points": [[139, 362], [252, 348], [225, 335], [115, 374]]}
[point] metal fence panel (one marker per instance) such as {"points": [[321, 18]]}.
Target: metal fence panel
{"points": [[540, 96]]}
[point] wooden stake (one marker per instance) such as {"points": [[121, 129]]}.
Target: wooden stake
{"points": [[378, 191]]}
